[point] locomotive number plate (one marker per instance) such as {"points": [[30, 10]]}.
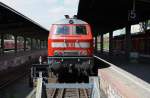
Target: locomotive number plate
{"points": [[70, 44]]}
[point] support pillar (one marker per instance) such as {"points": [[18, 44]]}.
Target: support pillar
{"points": [[36, 44], [31, 44], [128, 42], [38, 41], [95, 44], [2, 44], [40, 44], [25, 39], [45, 43], [102, 43], [110, 43], [15, 36], [146, 51]]}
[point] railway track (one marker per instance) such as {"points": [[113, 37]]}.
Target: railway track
{"points": [[68, 93], [10, 80], [13, 75]]}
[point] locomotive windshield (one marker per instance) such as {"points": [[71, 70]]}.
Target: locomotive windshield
{"points": [[61, 29], [79, 30], [70, 29]]}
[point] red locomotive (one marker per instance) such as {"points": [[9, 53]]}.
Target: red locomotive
{"points": [[70, 52], [70, 46]]}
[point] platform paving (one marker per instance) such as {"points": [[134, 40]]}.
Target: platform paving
{"points": [[118, 83], [137, 68]]}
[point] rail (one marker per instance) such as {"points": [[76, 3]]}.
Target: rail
{"points": [[63, 90], [74, 90], [68, 93], [11, 80]]}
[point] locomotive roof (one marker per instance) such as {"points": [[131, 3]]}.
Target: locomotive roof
{"points": [[66, 21]]}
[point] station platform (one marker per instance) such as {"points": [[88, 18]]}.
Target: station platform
{"points": [[135, 67], [11, 59], [118, 83], [15, 65]]}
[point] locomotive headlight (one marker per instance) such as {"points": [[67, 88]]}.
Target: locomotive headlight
{"points": [[58, 53]]}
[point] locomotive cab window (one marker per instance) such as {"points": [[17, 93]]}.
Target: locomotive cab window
{"points": [[79, 30], [62, 30], [70, 29]]}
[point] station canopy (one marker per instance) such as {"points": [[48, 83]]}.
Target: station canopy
{"points": [[13, 22], [109, 15]]}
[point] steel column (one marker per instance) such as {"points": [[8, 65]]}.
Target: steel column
{"points": [[146, 51], [40, 44], [110, 43], [102, 43], [31, 44], [46, 43], [95, 44], [2, 44], [36, 44], [128, 42], [15, 36], [25, 43]]}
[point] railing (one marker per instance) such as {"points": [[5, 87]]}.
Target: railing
{"points": [[37, 91], [32, 94], [96, 87]]}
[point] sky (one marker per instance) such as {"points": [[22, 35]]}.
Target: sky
{"points": [[44, 12]]}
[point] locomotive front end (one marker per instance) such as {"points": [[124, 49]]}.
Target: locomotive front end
{"points": [[70, 46]]}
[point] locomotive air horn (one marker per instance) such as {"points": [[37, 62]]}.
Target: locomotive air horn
{"points": [[67, 16]]}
